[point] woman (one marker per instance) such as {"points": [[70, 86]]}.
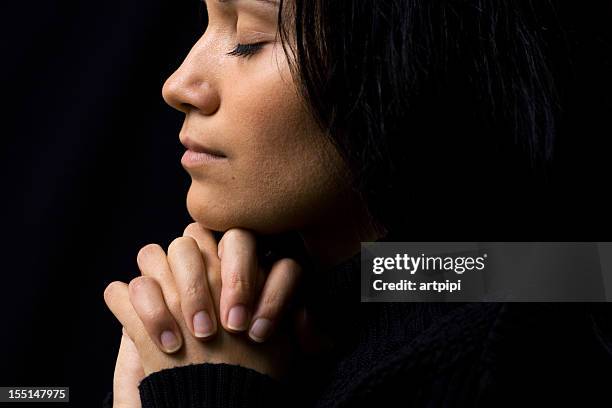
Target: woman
{"points": [[343, 122]]}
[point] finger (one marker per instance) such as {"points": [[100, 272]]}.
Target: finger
{"points": [[127, 376], [189, 272], [153, 262], [206, 242], [238, 275], [117, 298], [148, 302], [275, 297]]}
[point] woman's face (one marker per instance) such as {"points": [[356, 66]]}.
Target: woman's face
{"points": [[275, 170]]}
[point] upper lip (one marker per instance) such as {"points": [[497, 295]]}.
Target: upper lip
{"points": [[193, 146]]}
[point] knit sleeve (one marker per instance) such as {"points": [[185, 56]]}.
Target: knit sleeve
{"points": [[211, 385]]}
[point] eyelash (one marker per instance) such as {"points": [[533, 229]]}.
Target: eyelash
{"points": [[246, 50]]}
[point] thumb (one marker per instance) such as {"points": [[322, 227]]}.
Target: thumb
{"points": [[128, 374]]}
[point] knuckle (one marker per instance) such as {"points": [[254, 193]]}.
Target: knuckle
{"points": [[110, 290], [194, 289], [240, 282], [139, 284], [238, 234], [290, 267], [191, 228], [272, 301], [232, 233], [148, 251], [180, 242], [154, 315]]}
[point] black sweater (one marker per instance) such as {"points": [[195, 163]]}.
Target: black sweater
{"points": [[417, 354]]}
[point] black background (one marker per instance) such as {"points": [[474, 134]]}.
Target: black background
{"points": [[91, 172]]}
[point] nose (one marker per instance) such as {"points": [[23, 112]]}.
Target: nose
{"points": [[186, 90]]}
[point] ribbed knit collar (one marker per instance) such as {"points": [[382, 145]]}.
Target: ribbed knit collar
{"points": [[341, 281], [333, 295]]}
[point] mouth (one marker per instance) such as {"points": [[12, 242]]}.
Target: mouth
{"points": [[197, 155]]}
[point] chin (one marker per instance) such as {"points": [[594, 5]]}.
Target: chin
{"points": [[209, 212], [215, 213]]}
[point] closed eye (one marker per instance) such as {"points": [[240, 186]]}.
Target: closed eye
{"points": [[246, 50]]}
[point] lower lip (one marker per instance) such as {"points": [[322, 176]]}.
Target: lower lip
{"points": [[195, 159]]}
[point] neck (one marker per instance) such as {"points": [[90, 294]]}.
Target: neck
{"points": [[338, 237]]}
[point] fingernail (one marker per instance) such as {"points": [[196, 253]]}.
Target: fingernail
{"points": [[169, 341], [237, 318], [202, 324], [260, 329]]}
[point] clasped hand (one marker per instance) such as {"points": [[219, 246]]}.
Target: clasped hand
{"points": [[171, 315]]}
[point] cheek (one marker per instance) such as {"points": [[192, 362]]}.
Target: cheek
{"points": [[270, 193], [269, 196]]}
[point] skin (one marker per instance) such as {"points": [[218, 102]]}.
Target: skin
{"points": [[279, 164], [155, 300], [279, 172], [157, 293]]}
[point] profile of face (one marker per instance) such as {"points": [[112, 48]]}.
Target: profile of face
{"points": [[274, 169]]}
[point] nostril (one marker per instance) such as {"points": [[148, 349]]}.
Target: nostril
{"points": [[185, 107]]}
